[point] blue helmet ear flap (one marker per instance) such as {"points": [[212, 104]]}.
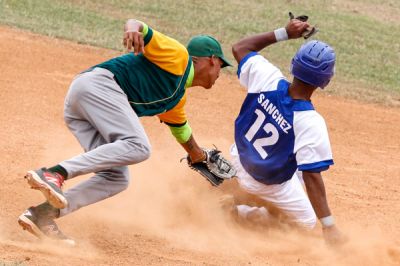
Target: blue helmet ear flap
{"points": [[314, 63]]}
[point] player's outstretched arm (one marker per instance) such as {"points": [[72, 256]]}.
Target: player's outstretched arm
{"points": [[293, 30], [208, 162], [317, 195], [196, 153]]}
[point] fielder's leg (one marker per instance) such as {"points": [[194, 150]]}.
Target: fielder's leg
{"points": [[98, 113], [101, 186]]}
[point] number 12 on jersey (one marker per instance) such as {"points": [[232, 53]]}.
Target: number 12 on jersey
{"points": [[269, 128]]}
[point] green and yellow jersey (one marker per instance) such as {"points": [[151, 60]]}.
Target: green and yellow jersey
{"points": [[155, 82]]}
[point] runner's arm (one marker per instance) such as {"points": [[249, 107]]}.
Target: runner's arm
{"points": [[256, 43], [316, 193]]}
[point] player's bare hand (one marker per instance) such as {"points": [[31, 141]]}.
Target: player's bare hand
{"points": [[134, 41], [133, 37], [295, 28], [333, 236]]}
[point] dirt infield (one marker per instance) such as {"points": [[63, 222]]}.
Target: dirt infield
{"points": [[169, 215]]}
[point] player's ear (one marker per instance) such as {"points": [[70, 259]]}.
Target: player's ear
{"points": [[213, 60]]}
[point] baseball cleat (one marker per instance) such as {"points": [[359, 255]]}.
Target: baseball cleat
{"points": [[49, 184], [42, 226]]}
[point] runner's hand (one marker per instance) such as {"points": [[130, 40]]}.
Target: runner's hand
{"points": [[333, 236], [295, 28]]}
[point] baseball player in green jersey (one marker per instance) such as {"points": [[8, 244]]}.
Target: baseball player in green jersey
{"points": [[102, 109]]}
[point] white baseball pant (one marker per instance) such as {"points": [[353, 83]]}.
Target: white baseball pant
{"points": [[289, 197]]}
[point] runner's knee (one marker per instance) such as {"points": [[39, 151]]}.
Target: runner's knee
{"points": [[308, 222]]}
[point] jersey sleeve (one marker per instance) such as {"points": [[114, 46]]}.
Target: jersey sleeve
{"points": [[312, 146], [166, 52], [177, 115], [257, 74], [177, 121]]}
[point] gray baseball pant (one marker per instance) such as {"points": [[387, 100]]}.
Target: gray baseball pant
{"points": [[98, 113]]}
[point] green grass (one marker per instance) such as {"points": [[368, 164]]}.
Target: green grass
{"points": [[365, 34]]}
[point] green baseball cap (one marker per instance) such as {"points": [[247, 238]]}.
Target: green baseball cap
{"points": [[205, 46]]}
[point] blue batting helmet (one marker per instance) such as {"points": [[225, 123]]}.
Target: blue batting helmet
{"points": [[314, 63]]}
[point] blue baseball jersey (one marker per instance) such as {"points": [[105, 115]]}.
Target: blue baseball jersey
{"points": [[276, 135]]}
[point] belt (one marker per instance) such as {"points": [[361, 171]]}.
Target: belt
{"points": [[103, 71]]}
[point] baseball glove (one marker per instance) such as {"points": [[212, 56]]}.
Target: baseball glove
{"points": [[214, 168], [310, 31]]}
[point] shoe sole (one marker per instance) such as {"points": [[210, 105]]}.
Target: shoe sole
{"points": [[28, 225], [56, 199]]}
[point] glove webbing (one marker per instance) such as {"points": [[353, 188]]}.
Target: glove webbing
{"points": [[220, 162], [310, 30]]}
